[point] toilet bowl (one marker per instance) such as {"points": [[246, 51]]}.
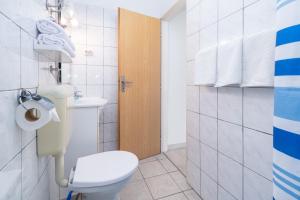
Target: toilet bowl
{"points": [[102, 176]]}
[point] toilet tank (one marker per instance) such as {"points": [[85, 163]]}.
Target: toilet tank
{"points": [[53, 138]]}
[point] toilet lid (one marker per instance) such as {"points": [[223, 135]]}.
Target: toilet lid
{"points": [[104, 168]]}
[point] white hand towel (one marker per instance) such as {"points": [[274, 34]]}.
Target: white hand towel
{"points": [[53, 40], [205, 67], [46, 26], [259, 60], [229, 70]]}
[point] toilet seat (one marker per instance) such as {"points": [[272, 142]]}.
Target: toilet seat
{"points": [[103, 169]]}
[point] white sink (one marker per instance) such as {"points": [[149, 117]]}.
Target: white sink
{"points": [[85, 102]]}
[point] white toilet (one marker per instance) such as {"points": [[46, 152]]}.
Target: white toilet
{"points": [[99, 176], [102, 176]]}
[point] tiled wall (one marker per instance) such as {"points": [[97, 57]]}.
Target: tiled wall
{"points": [[96, 73], [21, 170], [229, 129]]}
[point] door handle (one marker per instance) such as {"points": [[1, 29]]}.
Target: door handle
{"points": [[124, 83]]}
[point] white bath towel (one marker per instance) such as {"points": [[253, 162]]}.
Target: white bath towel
{"points": [[47, 26], [259, 59], [53, 40], [229, 71], [205, 67]]}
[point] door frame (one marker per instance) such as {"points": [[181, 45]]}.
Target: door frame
{"points": [[178, 7]]}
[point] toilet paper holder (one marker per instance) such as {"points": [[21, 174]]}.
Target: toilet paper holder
{"points": [[26, 95]]}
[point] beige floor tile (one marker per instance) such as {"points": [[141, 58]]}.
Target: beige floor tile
{"points": [[168, 165], [179, 196], [150, 159], [192, 195], [178, 157], [180, 180], [150, 169], [136, 191], [137, 176], [162, 186], [161, 156]]}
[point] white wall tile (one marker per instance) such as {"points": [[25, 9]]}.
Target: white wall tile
{"points": [[79, 75], [110, 18], [110, 75], [224, 195], [265, 20], [208, 12], [80, 13], [231, 27], [193, 150], [94, 36], [10, 143], [256, 187], [230, 176], [94, 90], [111, 132], [41, 191], [110, 56], [10, 47], [258, 151], [228, 7], [94, 16], [94, 75], [209, 161], [29, 170], [191, 3], [230, 140], [248, 2], [111, 93], [192, 46], [208, 36], [208, 131], [80, 58], [110, 37], [79, 35], [189, 72], [193, 20], [258, 109], [230, 104], [110, 113], [192, 98], [192, 124], [96, 57], [193, 176], [12, 171], [209, 188], [29, 62], [208, 101]]}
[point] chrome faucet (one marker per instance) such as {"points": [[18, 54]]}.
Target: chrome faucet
{"points": [[77, 93]]}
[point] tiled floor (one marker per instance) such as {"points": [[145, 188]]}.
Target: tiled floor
{"points": [[158, 178]]}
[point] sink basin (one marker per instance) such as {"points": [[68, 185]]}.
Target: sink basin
{"points": [[85, 102]]}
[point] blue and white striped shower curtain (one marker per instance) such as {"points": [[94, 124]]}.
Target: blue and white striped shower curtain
{"points": [[286, 162]]}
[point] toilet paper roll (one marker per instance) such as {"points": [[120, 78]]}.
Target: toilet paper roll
{"points": [[31, 115]]}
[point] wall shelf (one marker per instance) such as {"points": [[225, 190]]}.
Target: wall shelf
{"points": [[52, 54]]}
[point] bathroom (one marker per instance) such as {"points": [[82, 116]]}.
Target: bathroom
{"points": [[147, 100]]}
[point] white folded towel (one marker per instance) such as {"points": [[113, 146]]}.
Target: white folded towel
{"points": [[53, 40], [205, 67], [259, 60], [46, 26], [229, 70]]}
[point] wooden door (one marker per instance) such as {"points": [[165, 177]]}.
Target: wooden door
{"points": [[139, 73]]}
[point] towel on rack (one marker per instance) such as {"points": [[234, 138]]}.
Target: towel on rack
{"points": [[259, 59], [205, 67], [47, 26], [229, 71], [53, 40]]}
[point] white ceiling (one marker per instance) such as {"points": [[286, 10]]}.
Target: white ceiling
{"points": [[154, 8]]}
